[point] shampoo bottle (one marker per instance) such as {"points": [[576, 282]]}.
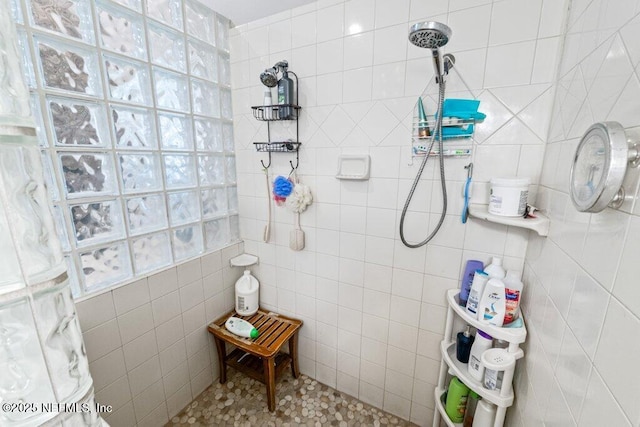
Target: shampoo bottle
{"points": [[285, 95], [480, 344], [456, 400], [492, 305], [477, 287], [512, 291], [467, 280], [495, 270]]}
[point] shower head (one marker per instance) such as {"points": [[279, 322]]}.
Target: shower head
{"points": [[269, 77], [429, 35]]}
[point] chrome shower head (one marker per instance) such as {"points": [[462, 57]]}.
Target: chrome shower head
{"points": [[269, 77], [429, 35]]}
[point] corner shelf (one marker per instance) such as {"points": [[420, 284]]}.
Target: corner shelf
{"points": [[513, 335], [502, 398], [440, 395], [540, 224], [459, 370]]}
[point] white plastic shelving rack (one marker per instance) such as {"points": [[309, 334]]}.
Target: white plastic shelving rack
{"points": [[502, 398]]}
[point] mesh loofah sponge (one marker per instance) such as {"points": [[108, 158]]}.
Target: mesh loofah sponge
{"points": [[299, 198], [282, 187]]}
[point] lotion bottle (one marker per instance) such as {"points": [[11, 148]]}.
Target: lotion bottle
{"points": [[492, 306], [467, 280], [495, 270], [241, 327], [477, 287]]}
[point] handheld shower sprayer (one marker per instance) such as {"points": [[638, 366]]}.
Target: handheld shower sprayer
{"points": [[431, 35], [269, 77]]}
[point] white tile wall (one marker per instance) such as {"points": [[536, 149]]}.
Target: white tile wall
{"points": [[373, 309], [149, 351], [580, 297]]}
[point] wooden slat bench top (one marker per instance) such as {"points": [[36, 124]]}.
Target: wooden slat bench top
{"points": [[274, 331]]}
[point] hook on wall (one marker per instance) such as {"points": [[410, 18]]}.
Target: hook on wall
{"points": [[269, 165], [295, 168]]}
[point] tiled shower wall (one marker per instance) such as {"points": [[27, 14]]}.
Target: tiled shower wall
{"points": [[582, 294], [149, 350], [374, 310]]}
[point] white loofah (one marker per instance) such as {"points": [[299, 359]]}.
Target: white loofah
{"points": [[299, 198]]}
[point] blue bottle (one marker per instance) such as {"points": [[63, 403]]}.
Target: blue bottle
{"points": [[467, 280]]}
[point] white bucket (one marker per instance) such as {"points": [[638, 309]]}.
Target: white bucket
{"points": [[508, 196]]}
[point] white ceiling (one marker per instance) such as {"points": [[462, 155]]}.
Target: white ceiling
{"points": [[243, 11]]}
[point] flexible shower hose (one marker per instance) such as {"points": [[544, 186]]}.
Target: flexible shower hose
{"points": [[441, 89]]}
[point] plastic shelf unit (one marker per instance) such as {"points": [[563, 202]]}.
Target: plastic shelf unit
{"points": [[502, 398], [440, 395]]}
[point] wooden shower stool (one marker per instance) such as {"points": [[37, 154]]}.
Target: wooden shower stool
{"points": [[261, 358]]}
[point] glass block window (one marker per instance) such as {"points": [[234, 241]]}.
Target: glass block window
{"points": [[132, 101]]}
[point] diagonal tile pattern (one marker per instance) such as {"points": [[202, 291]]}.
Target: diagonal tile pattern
{"points": [[361, 82], [599, 80]]}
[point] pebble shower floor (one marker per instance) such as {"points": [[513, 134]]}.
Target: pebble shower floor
{"points": [[303, 401]]}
